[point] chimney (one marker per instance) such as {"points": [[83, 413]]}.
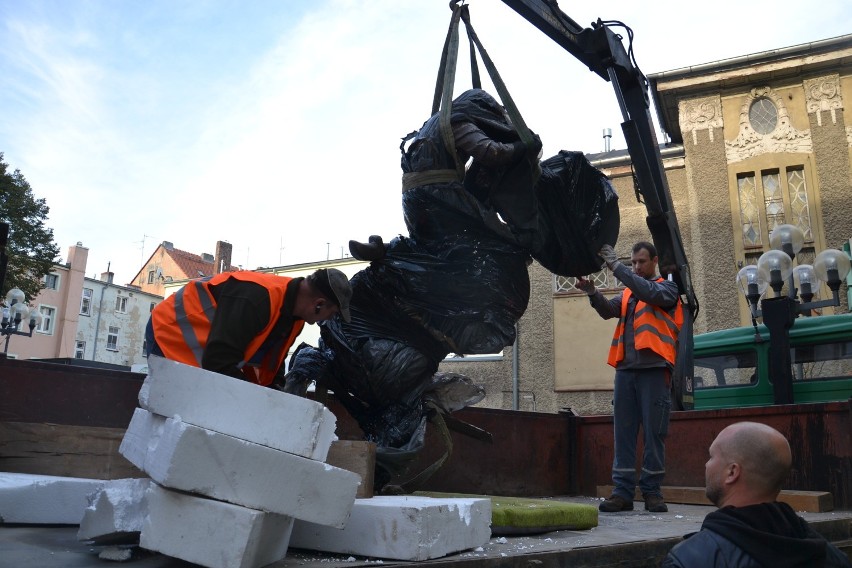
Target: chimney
{"points": [[607, 136], [223, 257], [107, 277], [206, 257], [168, 245], [77, 257]]}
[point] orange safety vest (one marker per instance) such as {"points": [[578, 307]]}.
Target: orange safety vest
{"points": [[653, 328], [181, 324]]}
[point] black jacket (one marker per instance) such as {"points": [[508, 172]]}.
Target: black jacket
{"points": [[768, 535]]}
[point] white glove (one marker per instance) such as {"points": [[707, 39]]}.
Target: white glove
{"points": [[608, 255]]}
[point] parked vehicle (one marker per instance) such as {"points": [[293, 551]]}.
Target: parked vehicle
{"points": [[732, 365]]}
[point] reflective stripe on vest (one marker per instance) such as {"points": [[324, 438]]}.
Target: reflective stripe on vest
{"points": [[653, 328], [208, 309]]}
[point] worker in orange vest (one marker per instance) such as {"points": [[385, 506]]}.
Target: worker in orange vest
{"points": [[643, 351], [242, 324]]}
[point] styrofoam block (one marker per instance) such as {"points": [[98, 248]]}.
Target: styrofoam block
{"points": [[189, 458], [44, 499], [212, 533], [402, 528], [238, 408], [115, 513]]}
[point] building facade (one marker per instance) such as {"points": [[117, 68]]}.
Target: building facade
{"points": [[112, 321], [86, 318], [58, 304]]}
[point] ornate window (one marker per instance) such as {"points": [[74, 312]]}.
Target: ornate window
{"points": [[763, 115], [604, 280], [773, 197]]}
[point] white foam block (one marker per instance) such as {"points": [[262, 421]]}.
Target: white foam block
{"points": [[238, 408], [189, 458], [402, 528], [44, 499], [212, 533], [115, 513]]}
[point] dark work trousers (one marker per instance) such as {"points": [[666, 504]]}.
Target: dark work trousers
{"points": [[641, 397]]}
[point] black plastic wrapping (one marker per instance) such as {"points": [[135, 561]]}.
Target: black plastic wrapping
{"points": [[578, 211]]}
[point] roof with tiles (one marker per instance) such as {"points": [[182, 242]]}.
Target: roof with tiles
{"points": [[192, 265]]}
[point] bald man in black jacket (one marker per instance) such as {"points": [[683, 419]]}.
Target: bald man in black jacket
{"points": [[748, 464]]}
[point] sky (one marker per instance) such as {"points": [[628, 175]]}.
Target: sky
{"points": [[275, 125]]}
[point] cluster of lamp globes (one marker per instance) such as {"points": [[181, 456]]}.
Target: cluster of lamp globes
{"points": [[775, 267], [16, 311]]}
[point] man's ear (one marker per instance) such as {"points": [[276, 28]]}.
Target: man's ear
{"points": [[733, 472]]}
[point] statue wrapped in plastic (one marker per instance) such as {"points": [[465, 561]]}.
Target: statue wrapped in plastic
{"points": [[479, 206]]}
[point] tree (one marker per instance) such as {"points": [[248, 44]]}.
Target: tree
{"points": [[30, 248]]}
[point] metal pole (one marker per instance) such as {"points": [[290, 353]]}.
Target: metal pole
{"points": [[516, 371], [778, 315]]}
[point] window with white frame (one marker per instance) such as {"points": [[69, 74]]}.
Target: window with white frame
{"points": [[51, 281], [151, 276], [112, 339], [79, 349], [121, 304], [48, 313], [86, 302]]}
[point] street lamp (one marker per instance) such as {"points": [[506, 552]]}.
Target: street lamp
{"points": [[774, 269], [16, 311]]}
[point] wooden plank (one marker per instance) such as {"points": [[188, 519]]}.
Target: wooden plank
{"points": [[68, 451], [357, 457], [806, 501]]}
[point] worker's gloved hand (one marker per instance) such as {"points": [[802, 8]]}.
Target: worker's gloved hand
{"points": [[586, 286], [607, 253]]}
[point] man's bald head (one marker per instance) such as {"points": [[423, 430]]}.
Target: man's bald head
{"points": [[762, 458]]}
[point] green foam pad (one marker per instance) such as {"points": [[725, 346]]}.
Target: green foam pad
{"points": [[519, 515]]}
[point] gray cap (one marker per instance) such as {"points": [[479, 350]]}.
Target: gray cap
{"points": [[338, 289]]}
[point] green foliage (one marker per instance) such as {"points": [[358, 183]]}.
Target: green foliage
{"points": [[30, 248]]}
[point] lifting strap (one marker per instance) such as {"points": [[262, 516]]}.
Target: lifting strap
{"points": [[443, 98], [437, 418]]}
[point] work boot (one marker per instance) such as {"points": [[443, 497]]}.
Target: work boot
{"points": [[615, 504], [374, 250], [655, 504]]}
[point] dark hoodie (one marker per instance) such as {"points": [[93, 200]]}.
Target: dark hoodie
{"points": [[767, 535]]}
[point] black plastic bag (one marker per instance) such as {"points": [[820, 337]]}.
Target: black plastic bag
{"points": [[578, 210]]}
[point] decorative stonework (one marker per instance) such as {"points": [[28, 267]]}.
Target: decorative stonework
{"points": [[823, 93], [785, 138], [700, 114]]}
